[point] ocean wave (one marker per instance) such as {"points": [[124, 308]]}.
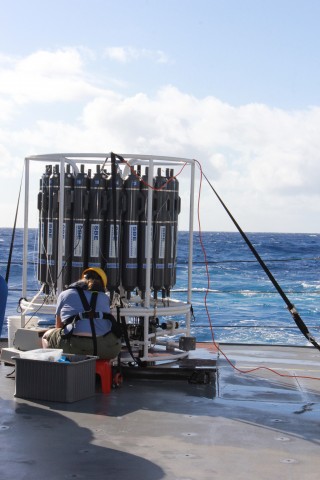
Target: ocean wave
{"points": [[309, 285], [240, 293]]}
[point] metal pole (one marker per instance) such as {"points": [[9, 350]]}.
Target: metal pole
{"points": [[149, 255], [25, 236], [191, 215], [61, 225]]}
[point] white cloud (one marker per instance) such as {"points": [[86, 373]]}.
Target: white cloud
{"points": [[129, 54], [270, 150], [7, 110], [264, 162], [46, 77]]}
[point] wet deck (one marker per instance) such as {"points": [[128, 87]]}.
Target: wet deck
{"points": [[257, 426]]}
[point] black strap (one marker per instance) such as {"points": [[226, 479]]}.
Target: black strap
{"points": [[90, 310], [91, 313], [126, 338], [84, 301], [93, 303]]}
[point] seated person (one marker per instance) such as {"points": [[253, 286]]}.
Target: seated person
{"points": [[84, 324]]}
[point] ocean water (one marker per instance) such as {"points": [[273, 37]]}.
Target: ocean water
{"points": [[243, 305]]}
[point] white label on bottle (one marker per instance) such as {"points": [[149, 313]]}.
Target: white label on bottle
{"points": [[78, 240], [50, 238], [113, 243], [42, 249], [64, 239], [162, 241], [95, 240], [133, 241]]}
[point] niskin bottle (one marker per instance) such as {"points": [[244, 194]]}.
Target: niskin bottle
{"points": [[67, 227], [130, 233], [112, 252], [173, 210], [143, 239], [43, 204], [52, 228], [160, 231], [97, 218], [80, 224]]}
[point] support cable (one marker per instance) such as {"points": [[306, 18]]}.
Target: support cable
{"points": [[13, 232], [295, 315], [216, 345]]}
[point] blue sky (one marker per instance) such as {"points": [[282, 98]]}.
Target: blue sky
{"points": [[233, 83]]}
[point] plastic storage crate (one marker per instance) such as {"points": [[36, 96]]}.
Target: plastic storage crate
{"points": [[55, 381]]}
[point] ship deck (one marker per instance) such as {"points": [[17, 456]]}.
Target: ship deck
{"points": [[257, 425]]}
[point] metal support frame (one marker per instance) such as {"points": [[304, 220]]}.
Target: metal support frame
{"points": [[149, 306]]}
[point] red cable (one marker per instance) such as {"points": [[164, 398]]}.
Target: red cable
{"points": [[151, 186], [206, 305]]}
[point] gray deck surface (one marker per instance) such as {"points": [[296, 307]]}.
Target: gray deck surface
{"points": [[246, 426]]}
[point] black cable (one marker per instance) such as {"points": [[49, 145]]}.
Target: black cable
{"points": [[11, 374], [295, 315], [13, 232]]}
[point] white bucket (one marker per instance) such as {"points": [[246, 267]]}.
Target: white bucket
{"points": [[13, 324]]}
